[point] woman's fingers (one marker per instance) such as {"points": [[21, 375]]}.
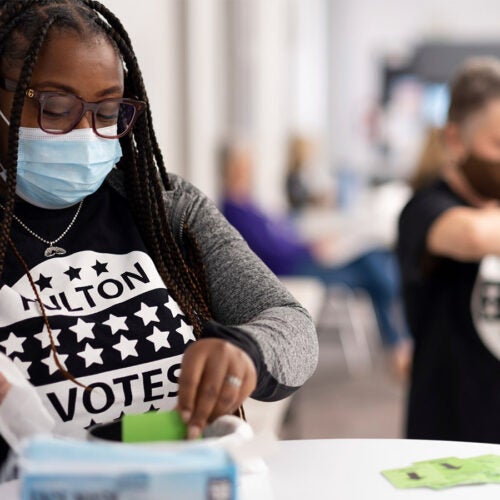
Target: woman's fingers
{"points": [[192, 368], [216, 377], [208, 392], [229, 395], [239, 383]]}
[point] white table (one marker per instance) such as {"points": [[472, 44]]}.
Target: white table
{"points": [[349, 469]]}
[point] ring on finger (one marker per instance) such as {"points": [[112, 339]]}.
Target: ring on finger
{"points": [[234, 381]]}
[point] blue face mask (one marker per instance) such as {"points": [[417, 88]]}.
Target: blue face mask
{"points": [[58, 171]]}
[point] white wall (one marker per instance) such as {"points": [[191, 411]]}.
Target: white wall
{"points": [[156, 35], [181, 47], [178, 45], [285, 60], [202, 104], [309, 65], [364, 30], [270, 73]]}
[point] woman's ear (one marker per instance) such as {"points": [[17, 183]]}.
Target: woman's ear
{"points": [[454, 142]]}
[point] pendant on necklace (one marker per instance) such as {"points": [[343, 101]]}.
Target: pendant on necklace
{"points": [[53, 251]]}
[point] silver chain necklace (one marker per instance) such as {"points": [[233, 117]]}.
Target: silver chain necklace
{"points": [[51, 250]]}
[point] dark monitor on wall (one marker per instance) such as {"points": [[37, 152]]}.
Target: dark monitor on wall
{"points": [[433, 65]]}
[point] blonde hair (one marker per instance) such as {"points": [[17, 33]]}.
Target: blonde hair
{"points": [[431, 160]]}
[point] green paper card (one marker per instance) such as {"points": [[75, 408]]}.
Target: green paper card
{"points": [[446, 472], [416, 476], [490, 465], [153, 426], [456, 471]]}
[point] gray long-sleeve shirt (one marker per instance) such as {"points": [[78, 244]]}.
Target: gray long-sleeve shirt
{"points": [[245, 293]]}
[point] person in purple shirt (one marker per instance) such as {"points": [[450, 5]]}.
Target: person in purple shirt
{"points": [[278, 244], [273, 240]]}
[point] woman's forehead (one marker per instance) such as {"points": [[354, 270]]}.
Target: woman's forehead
{"points": [[68, 55], [86, 64]]}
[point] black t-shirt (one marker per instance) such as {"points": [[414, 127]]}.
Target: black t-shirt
{"points": [[116, 327], [453, 309]]}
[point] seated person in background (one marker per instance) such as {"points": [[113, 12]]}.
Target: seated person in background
{"points": [[278, 244], [305, 186], [274, 240], [449, 250]]}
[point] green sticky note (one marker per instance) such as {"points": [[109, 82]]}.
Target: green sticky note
{"points": [[488, 460], [455, 471], [490, 465], [153, 426], [416, 476]]}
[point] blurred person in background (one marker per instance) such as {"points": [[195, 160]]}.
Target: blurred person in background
{"points": [[431, 160], [276, 241], [303, 187], [449, 256]]}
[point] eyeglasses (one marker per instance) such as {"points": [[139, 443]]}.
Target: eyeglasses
{"points": [[60, 112]]}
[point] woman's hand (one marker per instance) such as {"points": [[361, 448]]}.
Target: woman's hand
{"points": [[216, 377]]}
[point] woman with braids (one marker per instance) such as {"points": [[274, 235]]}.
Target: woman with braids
{"points": [[111, 268]]}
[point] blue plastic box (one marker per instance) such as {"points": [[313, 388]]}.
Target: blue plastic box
{"points": [[53, 469]]}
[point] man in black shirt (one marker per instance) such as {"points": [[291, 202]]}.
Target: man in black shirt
{"points": [[449, 252]]}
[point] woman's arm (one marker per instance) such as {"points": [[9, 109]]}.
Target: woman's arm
{"points": [[247, 296]]}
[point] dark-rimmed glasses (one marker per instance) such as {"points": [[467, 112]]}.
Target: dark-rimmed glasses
{"points": [[60, 112]]}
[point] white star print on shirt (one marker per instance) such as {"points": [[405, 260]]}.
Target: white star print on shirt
{"points": [[126, 347], [186, 331], [174, 307], [159, 339], [91, 355], [116, 323], [52, 364], [147, 314], [83, 330], [23, 366], [44, 338], [13, 344]]}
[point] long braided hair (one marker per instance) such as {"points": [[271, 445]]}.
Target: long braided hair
{"points": [[25, 25]]}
